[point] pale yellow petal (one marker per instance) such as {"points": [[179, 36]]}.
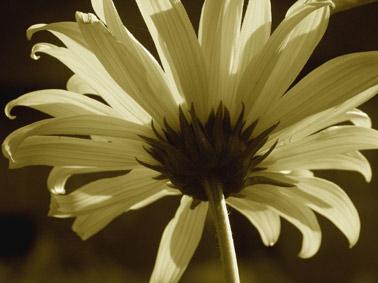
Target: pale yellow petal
{"points": [[266, 221], [67, 151], [85, 64], [332, 141], [89, 224], [76, 84], [59, 103], [286, 51], [218, 35], [254, 33], [142, 81], [178, 48], [79, 125], [179, 242], [293, 211], [129, 189], [329, 200], [346, 82], [58, 176]]}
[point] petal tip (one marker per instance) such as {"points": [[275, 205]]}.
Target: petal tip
{"points": [[33, 29], [86, 18]]}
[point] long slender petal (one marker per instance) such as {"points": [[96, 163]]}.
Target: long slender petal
{"points": [[143, 81], [59, 103], [293, 211], [287, 50], [347, 80], [266, 221], [218, 35], [89, 224], [67, 32], [332, 202], [85, 64], [107, 12], [76, 84], [58, 176], [353, 161], [254, 33], [67, 151], [320, 121], [179, 242], [129, 189], [82, 125], [178, 49], [326, 198], [332, 141], [301, 43]]}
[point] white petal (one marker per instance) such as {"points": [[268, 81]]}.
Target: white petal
{"points": [[286, 51], [254, 33], [218, 35], [301, 43], [78, 85], [326, 198], [144, 82], [67, 32], [85, 64], [59, 103], [116, 27], [58, 176], [266, 221], [334, 140], [319, 122], [129, 189], [98, 7], [347, 81], [165, 192], [84, 125], [353, 161], [178, 48], [66, 151], [332, 202], [89, 224], [179, 242], [293, 211], [109, 15]]}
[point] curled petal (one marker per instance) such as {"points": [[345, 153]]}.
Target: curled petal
{"points": [[292, 209], [79, 125], [144, 82], [128, 189], [67, 151], [331, 201], [59, 103], [332, 141], [266, 221]]}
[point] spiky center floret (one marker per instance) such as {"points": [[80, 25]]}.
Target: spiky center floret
{"points": [[216, 150]]}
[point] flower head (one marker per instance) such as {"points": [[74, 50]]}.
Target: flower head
{"points": [[220, 107]]}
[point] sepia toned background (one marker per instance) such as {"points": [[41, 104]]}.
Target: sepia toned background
{"points": [[37, 248]]}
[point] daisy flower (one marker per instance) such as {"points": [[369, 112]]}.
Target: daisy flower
{"points": [[215, 121]]}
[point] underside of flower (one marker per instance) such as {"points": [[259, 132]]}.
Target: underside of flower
{"points": [[216, 150]]}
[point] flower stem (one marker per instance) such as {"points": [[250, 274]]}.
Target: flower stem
{"points": [[223, 229]]}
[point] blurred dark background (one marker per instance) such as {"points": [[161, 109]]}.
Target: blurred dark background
{"points": [[36, 248]]}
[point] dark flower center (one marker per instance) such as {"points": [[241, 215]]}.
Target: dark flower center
{"points": [[216, 150]]}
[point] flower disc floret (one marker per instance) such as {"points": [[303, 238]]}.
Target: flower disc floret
{"points": [[216, 150]]}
